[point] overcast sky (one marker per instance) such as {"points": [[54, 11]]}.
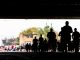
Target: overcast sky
{"points": [[12, 27]]}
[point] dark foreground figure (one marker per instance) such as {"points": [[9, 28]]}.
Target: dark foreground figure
{"points": [[76, 39], [52, 40]]}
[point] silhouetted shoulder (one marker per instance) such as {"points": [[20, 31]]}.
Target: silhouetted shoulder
{"points": [[68, 29]]}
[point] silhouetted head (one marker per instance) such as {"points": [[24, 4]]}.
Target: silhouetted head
{"points": [[27, 43], [75, 29], [51, 30], [35, 37], [66, 23], [41, 35]]}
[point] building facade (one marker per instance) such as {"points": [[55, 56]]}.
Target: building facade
{"points": [[23, 39]]}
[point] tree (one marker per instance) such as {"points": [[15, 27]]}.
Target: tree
{"points": [[30, 31], [40, 31], [37, 30]]}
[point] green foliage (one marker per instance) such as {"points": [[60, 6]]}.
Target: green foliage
{"points": [[30, 31], [46, 30], [39, 31]]}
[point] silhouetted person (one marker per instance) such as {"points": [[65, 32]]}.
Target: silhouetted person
{"points": [[21, 47], [52, 40], [67, 30], [35, 44], [61, 44], [61, 33], [27, 47], [76, 37], [45, 45], [41, 43]]}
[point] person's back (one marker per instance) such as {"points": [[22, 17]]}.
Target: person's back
{"points": [[26, 47], [35, 41], [51, 40], [41, 39], [51, 35], [67, 30], [62, 41], [61, 34], [35, 44], [76, 37], [29, 47], [45, 45], [41, 43]]}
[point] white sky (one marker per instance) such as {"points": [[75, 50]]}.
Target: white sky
{"points": [[12, 27]]}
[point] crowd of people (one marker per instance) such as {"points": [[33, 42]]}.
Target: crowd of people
{"points": [[66, 43], [69, 42]]}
